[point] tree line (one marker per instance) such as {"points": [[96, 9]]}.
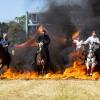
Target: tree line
{"points": [[15, 29]]}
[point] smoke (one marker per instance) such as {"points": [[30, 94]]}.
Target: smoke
{"points": [[95, 5], [65, 18], [35, 5], [60, 29], [62, 19]]}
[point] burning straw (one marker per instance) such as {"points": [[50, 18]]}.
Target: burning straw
{"points": [[74, 72]]}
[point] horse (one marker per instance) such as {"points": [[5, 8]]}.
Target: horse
{"points": [[91, 61], [41, 59], [78, 54], [5, 58]]}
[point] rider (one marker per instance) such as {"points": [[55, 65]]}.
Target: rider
{"points": [[77, 40], [44, 40], [4, 42], [93, 39]]}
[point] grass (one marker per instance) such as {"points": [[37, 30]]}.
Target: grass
{"points": [[49, 90]]}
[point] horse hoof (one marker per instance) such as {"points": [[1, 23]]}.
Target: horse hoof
{"points": [[90, 74], [1, 71]]}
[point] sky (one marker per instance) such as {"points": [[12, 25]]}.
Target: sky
{"points": [[9, 9]]}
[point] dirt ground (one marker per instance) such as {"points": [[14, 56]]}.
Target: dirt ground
{"points": [[49, 90]]}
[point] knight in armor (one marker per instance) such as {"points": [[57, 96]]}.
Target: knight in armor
{"points": [[93, 40]]}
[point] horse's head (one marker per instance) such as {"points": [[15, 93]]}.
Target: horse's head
{"points": [[92, 46], [40, 46]]}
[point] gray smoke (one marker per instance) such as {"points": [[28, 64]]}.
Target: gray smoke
{"points": [[62, 19], [65, 17], [93, 21], [60, 29]]}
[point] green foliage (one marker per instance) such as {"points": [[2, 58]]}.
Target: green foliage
{"points": [[21, 21], [3, 27], [16, 30]]}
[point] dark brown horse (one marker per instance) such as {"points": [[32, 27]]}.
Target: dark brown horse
{"points": [[41, 60], [78, 55], [5, 58]]}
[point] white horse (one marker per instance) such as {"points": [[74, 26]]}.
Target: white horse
{"points": [[91, 60], [79, 45]]}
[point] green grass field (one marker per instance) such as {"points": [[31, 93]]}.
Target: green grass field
{"points": [[49, 90]]}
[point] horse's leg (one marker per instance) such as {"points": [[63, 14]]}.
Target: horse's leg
{"points": [[92, 69], [39, 70], [43, 69], [88, 69], [8, 60], [8, 64], [1, 65], [1, 68], [84, 58]]}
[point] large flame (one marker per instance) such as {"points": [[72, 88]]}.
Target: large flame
{"points": [[76, 35], [77, 71]]}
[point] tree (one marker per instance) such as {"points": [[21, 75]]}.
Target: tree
{"points": [[3, 28], [15, 32], [21, 21]]}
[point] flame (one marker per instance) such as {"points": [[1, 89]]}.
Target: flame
{"points": [[76, 35], [76, 71]]}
